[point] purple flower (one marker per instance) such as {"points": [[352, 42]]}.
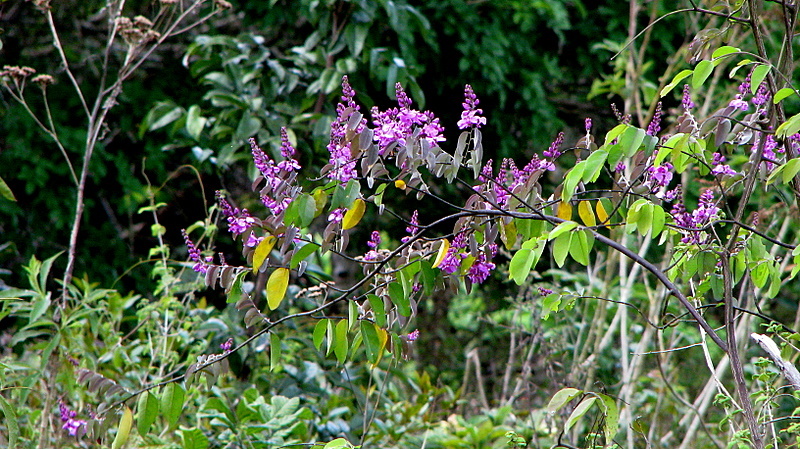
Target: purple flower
{"points": [[413, 336], [194, 254], [738, 103], [762, 94], [719, 167], [660, 176], [253, 240], [240, 222], [451, 262], [397, 125], [71, 425], [343, 167], [412, 227], [687, 102], [587, 124], [655, 124], [620, 167], [480, 269], [554, 151], [470, 115], [227, 345], [336, 215], [374, 240], [545, 291], [706, 211], [744, 88], [289, 164]]}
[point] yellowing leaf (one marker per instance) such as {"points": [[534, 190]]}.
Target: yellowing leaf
{"points": [[564, 211], [262, 252], [124, 430], [354, 214], [320, 198], [586, 214], [277, 284], [602, 215], [400, 184], [443, 248]]}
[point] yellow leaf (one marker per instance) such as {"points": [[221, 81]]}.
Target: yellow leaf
{"points": [[400, 184], [586, 214], [320, 199], [354, 214], [124, 430], [564, 211], [262, 252], [276, 287], [443, 248], [602, 215]]}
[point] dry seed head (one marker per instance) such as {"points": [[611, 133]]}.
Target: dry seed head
{"points": [[124, 23], [223, 4], [16, 72], [142, 22], [43, 80]]}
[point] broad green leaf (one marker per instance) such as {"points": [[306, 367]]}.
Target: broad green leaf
{"points": [[274, 351], [337, 444], [586, 213], [790, 170], [277, 284], [399, 298], [725, 50], [306, 210], [303, 252], [594, 165], [579, 248], [675, 81], [262, 251], [11, 421], [354, 214], [579, 411], [550, 304], [611, 423], [782, 94], [235, 292], [378, 309], [667, 148], [372, 341], [560, 229], [6, 192], [561, 248], [659, 219], [614, 133], [757, 77], [319, 333], [172, 403], [701, 72], [561, 398], [195, 122], [146, 412], [520, 265], [631, 140], [444, 246], [644, 220], [760, 274], [340, 344], [571, 181], [194, 439], [124, 429], [790, 127]]}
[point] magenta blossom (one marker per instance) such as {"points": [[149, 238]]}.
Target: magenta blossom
{"points": [[71, 425], [470, 115]]}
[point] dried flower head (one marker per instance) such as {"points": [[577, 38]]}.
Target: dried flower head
{"points": [[16, 72], [223, 4], [142, 22], [43, 80]]}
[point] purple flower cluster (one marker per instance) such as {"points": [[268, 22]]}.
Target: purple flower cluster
{"points": [[336, 215], [655, 124], [719, 167], [413, 335], [587, 125], [275, 195], [770, 149], [555, 148], [706, 211], [343, 166], [452, 260], [762, 94], [238, 220], [469, 116], [374, 241], [660, 176], [200, 265], [545, 291], [687, 102], [396, 125], [71, 425], [482, 267], [226, 347], [413, 226]]}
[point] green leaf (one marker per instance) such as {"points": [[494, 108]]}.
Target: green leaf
{"points": [[306, 210], [782, 94], [525, 259], [399, 298], [172, 403], [561, 247], [303, 252], [701, 72], [235, 292], [337, 444], [146, 412], [579, 248], [659, 220], [579, 411], [790, 170], [611, 423], [757, 77], [372, 341], [6, 192], [615, 132], [723, 51], [561, 229], [340, 344], [675, 81], [561, 398], [194, 439], [319, 333], [124, 429], [277, 284], [195, 122], [631, 140], [790, 127], [11, 421], [571, 181], [274, 351], [378, 311], [594, 165]]}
